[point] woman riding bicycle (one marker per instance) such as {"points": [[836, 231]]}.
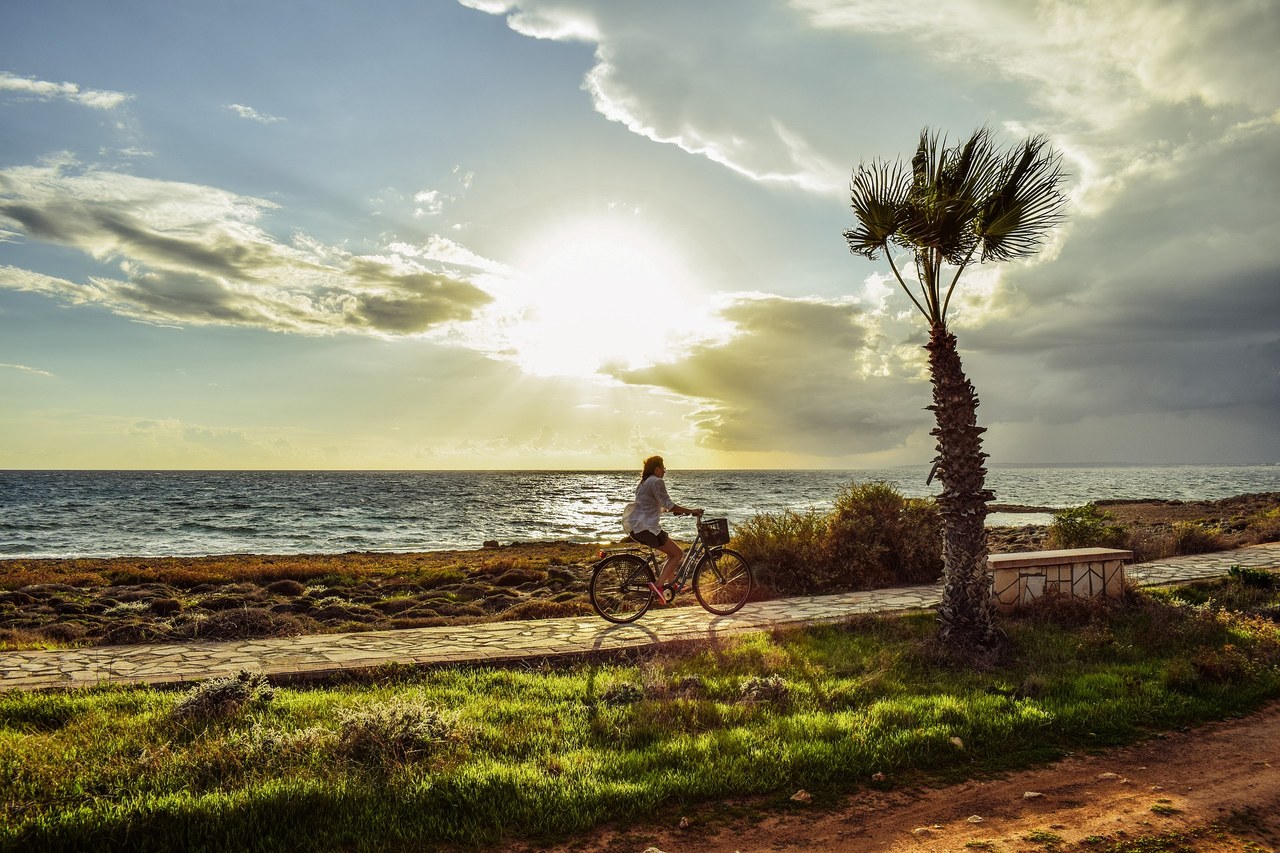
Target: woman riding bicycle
{"points": [[651, 500]]}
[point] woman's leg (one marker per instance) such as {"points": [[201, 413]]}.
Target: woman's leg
{"points": [[673, 552]]}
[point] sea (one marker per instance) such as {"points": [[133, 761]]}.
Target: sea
{"points": [[65, 514]]}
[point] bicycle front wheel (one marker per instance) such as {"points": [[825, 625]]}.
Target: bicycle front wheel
{"points": [[722, 581], [620, 588]]}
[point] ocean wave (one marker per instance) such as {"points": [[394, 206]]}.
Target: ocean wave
{"points": [[101, 514]]}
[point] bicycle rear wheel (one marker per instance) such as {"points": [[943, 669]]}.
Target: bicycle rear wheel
{"points": [[620, 588], [722, 581]]}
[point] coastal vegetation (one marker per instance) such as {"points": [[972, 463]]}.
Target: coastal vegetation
{"points": [[871, 537], [473, 756], [950, 207]]}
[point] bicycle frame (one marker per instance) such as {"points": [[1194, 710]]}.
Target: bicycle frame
{"points": [[687, 562], [618, 590]]}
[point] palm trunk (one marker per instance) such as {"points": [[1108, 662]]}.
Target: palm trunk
{"points": [[966, 598]]}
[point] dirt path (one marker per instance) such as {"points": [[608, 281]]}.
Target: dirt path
{"points": [[1215, 788]]}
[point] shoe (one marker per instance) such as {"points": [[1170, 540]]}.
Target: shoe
{"points": [[659, 592]]}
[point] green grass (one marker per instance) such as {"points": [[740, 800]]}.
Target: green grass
{"points": [[471, 756]]}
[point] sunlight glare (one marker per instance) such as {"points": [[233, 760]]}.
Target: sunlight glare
{"points": [[603, 292]]}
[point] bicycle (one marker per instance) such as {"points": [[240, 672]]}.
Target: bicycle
{"points": [[722, 579]]}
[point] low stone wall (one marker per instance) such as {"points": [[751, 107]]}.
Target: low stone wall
{"points": [[1022, 577]]}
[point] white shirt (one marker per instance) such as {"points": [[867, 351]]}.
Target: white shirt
{"points": [[651, 500]]}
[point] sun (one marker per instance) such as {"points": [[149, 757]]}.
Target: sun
{"points": [[602, 291]]}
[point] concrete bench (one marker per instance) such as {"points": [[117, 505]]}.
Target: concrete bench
{"points": [[1022, 577]]}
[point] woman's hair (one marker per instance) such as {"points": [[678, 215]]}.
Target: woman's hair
{"points": [[649, 465]]}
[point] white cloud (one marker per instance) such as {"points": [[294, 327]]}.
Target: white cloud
{"points": [[430, 203], [449, 253], [43, 90], [34, 371], [555, 22], [692, 75], [1096, 59], [195, 254], [251, 114]]}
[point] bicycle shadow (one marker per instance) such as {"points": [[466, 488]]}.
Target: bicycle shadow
{"points": [[631, 634]]}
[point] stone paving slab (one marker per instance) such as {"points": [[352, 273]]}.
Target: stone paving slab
{"points": [[327, 654]]}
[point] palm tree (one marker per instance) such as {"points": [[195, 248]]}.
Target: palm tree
{"points": [[948, 208]]}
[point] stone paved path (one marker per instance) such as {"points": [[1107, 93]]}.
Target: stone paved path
{"points": [[297, 657]]}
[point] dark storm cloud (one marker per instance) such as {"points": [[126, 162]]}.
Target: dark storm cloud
{"points": [[805, 374], [1168, 301]]}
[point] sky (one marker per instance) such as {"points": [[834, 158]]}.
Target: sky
{"points": [[550, 234]]}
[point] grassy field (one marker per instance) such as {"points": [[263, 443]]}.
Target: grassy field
{"points": [[472, 756]]}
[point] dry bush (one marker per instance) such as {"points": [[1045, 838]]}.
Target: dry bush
{"points": [[12, 639], [1192, 538], [1264, 527], [394, 733], [246, 623], [765, 688], [219, 698], [515, 577], [64, 632], [287, 586], [542, 608]]}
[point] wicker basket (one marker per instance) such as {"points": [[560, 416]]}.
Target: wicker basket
{"points": [[715, 531]]}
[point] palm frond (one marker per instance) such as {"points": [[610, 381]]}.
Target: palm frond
{"points": [[878, 193], [1025, 204], [947, 188]]}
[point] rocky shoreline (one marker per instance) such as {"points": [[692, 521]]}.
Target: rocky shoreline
{"points": [[50, 602]]}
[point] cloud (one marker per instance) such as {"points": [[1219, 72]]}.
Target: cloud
{"points": [[807, 375], [1096, 60], [430, 203], [42, 90], [449, 253], [251, 114], [196, 254], [737, 110], [774, 92], [34, 371], [1166, 303]]}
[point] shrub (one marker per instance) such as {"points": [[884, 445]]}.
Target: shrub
{"points": [[515, 577], [246, 623], [621, 693], [222, 697], [64, 632], [1222, 665], [1264, 527], [165, 606], [1257, 578], [768, 688], [878, 537], [286, 586], [1086, 527], [873, 536], [1192, 538], [542, 608], [393, 733], [786, 550]]}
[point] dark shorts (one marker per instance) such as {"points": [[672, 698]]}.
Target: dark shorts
{"points": [[653, 540]]}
